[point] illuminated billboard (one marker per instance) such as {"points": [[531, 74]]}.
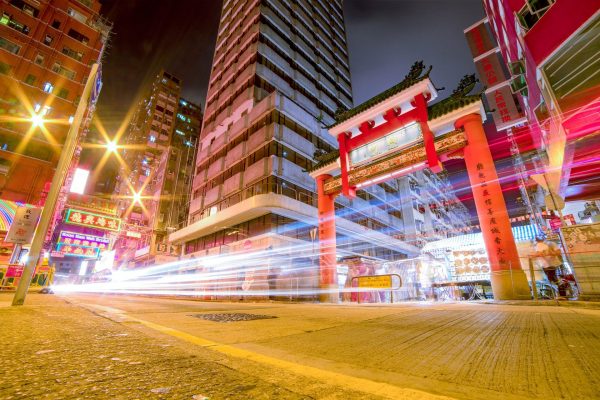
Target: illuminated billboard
{"points": [[79, 239], [80, 178], [91, 220], [78, 251]]}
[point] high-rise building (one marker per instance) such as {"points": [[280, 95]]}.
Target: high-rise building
{"points": [[280, 74], [46, 50], [159, 152], [546, 53]]}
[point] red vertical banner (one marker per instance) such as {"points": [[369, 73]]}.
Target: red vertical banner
{"points": [[480, 39], [508, 279]]}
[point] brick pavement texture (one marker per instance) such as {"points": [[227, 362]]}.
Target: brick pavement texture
{"points": [[55, 350]]}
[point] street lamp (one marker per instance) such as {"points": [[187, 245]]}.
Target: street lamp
{"points": [[137, 197], [62, 169], [37, 120], [111, 146]]}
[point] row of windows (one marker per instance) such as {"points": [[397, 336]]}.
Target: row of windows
{"points": [[310, 59], [274, 117], [270, 149], [277, 224], [311, 45], [270, 184]]}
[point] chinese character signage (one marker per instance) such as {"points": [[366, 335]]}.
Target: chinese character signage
{"points": [[480, 39], [583, 248], [23, 226], [14, 271], [78, 250], [490, 70], [91, 220], [502, 101], [493, 75], [393, 141], [83, 240]]}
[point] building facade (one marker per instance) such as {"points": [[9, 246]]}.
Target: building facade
{"points": [[550, 49], [46, 52], [84, 238], [280, 74], [159, 153]]}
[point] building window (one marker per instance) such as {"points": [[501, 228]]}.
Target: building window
{"points": [[27, 9], [152, 138], [9, 46], [56, 24], [4, 68], [59, 69], [63, 93], [10, 22], [39, 59], [48, 40], [77, 15], [30, 79], [48, 87], [532, 11], [78, 36], [72, 53]]}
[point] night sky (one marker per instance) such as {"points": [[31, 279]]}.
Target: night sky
{"points": [[384, 36]]}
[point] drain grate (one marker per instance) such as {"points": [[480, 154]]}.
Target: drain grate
{"points": [[231, 317]]}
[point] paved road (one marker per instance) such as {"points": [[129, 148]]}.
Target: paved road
{"points": [[469, 351]]}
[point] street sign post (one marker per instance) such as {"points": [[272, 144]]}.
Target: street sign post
{"points": [[58, 181]]}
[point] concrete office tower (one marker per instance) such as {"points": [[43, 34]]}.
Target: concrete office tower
{"points": [[159, 157], [46, 50], [280, 73]]}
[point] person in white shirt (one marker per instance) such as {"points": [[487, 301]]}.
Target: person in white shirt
{"points": [[547, 257]]}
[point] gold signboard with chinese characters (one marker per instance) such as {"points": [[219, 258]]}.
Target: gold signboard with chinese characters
{"points": [[447, 143], [91, 220]]}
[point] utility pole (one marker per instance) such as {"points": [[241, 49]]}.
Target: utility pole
{"points": [[58, 181]]}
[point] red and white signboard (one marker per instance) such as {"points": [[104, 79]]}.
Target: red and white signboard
{"points": [[14, 271], [23, 227]]}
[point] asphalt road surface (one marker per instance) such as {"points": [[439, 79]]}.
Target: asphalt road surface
{"points": [[97, 346]]}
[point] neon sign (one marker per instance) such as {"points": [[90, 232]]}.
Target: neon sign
{"points": [[91, 220], [79, 239], [78, 251]]}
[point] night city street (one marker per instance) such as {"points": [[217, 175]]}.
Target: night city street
{"points": [[300, 199]]}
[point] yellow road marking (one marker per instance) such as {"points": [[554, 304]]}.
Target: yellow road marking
{"points": [[334, 378]]}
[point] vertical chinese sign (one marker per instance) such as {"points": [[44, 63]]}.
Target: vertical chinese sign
{"points": [[492, 74]]}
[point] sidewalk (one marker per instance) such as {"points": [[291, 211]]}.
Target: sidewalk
{"points": [[55, 350]]}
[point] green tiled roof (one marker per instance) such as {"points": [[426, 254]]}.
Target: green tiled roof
{"points": [[450, 104], [324, 160], [413, 77]]}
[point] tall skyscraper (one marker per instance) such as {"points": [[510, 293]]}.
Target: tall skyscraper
{"points": [[160, 148], [46, 50], [280, 73]]}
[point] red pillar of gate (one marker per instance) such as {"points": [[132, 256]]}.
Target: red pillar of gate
{"points": [[327, 251], [508, 279]]}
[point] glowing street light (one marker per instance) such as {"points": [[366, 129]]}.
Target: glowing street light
{"points": [[37, 120], [137, 197], [62, 169], [111, 146]]}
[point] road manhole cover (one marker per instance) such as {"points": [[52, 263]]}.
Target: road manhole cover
{"points": [[231, 317]]}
